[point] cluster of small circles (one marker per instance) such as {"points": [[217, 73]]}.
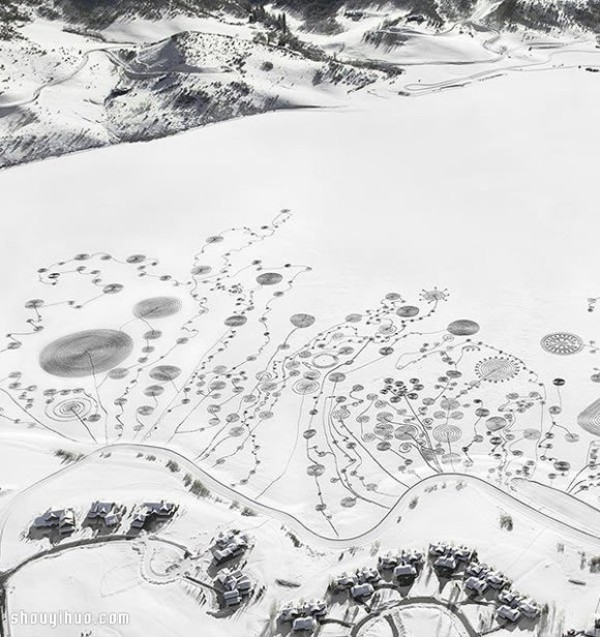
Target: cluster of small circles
{"points": [[310, 371]]}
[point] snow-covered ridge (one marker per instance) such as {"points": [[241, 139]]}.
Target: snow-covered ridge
{"points": [[68, 85], [542, 15], [327, 16], [91, 92]]}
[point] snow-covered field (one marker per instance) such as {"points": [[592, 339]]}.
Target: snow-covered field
{"points": [[343, 331]]}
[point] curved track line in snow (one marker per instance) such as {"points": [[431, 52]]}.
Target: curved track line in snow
{"points": [[460, 622], [108, 51], [576, 526]]}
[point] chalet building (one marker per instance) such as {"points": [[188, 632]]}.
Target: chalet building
{"points": [[105, 513], [316, 609], [438, 549], [232, 598], [361, 592], [139, 519], [235, 585], [462, 554], [343, 582], [446, 565], [412, 557], [387, 562], [476, 569], [161, 509], [288, 614], [475, 586], [529, 609], [62, 520], [366, 574], [304, 625], [236, 547], [511, 615], [497, 581], [405, 574], [153, 511], [509, 598]]}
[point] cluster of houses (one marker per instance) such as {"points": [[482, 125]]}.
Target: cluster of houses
{"points": [[480, 579], [447, 559], [104, 515], [304, 617], [360, 585], [405, 567], [229, 545], [233, 585]]}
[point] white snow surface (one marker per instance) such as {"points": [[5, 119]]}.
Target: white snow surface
{"points": [[484, 188]]}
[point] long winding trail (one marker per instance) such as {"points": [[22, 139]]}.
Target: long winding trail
{"points": [[8, 105], [578, 530], [496, 69]]}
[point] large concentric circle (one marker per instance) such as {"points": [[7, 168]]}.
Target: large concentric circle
{"points": [[85, 353]]}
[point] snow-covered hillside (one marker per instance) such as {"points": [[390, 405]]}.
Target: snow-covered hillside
{"points": [[73, 78], [541, 15], [89, 92]]}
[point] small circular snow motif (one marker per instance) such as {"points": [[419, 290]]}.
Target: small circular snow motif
{"points": [[305, 386], [463, 327], [497, 369], [71, 409], [447, 433], [495, 423], [562, 343]]}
